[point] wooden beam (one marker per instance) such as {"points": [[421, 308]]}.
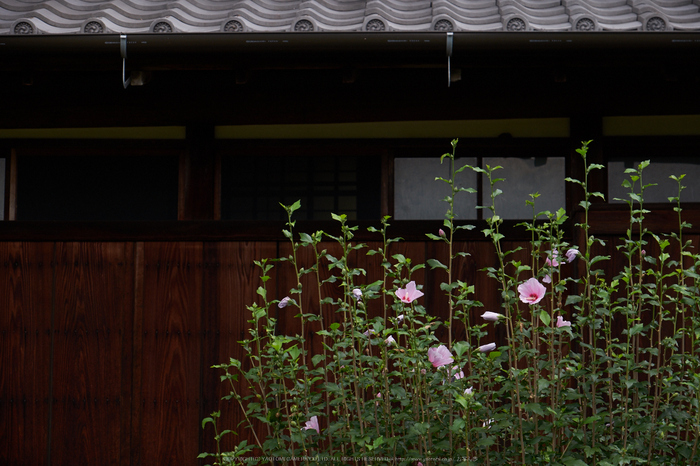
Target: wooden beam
{"points": [[197, 196], [11, 186]]}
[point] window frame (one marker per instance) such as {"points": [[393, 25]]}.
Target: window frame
{"points": [[197, 173]]}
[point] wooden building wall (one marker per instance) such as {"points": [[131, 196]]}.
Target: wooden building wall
{"points": [[108, 330], [106, 347]]}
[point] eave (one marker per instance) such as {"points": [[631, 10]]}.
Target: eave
{"points": [[221, 51]]}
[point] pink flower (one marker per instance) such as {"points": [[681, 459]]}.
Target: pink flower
{"points": [[379, 398], [283, 303], [547, 279], [441, 232], [389, 341], [552, 262], [357, 293], [399, 318], [532, 291], [440, 356], [458, 374], [369, 332], [571, 255], [408, 294], [313, 424], [491, 316], [562, 323], [468, 391], [487, 348]]}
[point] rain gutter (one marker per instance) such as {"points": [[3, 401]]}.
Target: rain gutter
{"points": [[294, 50]]}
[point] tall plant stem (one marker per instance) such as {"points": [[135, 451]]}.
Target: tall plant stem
{"points": [[302, 339], [245, 414], [451, 216], [326, 393], [495, 236]]}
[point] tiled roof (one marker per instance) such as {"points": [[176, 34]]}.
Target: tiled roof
{"points": [[203, 16]]}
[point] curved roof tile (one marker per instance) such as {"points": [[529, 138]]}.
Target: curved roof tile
{"points": [[152, 16]]}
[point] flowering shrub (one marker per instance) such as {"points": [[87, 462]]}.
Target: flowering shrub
{"points": [[383, 389]]}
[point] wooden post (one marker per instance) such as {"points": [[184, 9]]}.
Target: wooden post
{"points": [[199, 190], [11, 186]]}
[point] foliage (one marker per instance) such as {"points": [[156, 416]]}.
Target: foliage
{"points": [[383, 389]]}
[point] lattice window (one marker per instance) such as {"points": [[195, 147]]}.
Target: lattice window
{"points": [[253, 187]]}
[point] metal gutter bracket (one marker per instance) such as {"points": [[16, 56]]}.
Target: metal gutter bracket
{"points": [[450, 38], [122, 49]]}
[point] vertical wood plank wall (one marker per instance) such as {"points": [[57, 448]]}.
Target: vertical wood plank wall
{"points": [[106, 348]]}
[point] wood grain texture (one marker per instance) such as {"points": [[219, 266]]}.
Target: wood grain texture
{"points": [[26, 274], [170, 353], [465, 269], [230, 283], [130, 331], [93, 291]]}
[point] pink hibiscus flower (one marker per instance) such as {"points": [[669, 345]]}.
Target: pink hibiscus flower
{"points": [[553, 261], [408, 294], [562, 323], [532, 291], [491, 316], [440, 356], [283, 302], [313, 424], [487, 348]]}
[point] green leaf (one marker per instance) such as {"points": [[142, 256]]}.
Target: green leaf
{"points": [[534, 408], [461, 347], [332, 387], [568, 461], [378, 441], [545, 318], [458, 425], [436, 264], [487, 441], [573, 299], [317, 359], [305, 238], [636, 329], [462, 401], [295, 206]]}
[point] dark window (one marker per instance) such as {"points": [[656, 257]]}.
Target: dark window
{"points": [[93, 188], [252, 187]]}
